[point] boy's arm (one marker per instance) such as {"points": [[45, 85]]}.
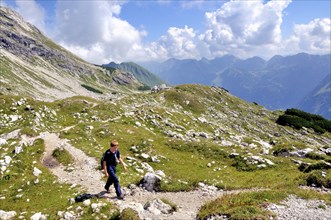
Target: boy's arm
{"points": [[122, 162]]}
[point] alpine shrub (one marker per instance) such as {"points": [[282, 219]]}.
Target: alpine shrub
{"points": [[317, 166], [315, 156], [89, 88], [316, 178], [129, 213], [298, 119]]}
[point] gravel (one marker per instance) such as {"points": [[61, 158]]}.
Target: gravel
{"points": [[295, 208]]}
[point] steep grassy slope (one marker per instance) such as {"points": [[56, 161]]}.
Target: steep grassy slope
{"points": [[192, 133], [32, 64], [142, 74]]}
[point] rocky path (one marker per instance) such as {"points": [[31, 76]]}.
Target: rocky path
{"points": [[83, 170], [84, 173], [188, 203]]}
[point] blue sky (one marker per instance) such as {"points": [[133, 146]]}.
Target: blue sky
{"points": [[102, 31]]}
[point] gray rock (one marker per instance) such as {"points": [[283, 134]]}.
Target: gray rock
{"points": [[157, 207], [151, 182], [3, 141], [38, 216], [7, 215]]}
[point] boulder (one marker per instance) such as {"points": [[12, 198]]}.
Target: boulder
{"points": [[157, 207], [151, 182], [7, 215]]}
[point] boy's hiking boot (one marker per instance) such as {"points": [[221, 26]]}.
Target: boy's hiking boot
{"points": [[120, 197], [107, 190]]}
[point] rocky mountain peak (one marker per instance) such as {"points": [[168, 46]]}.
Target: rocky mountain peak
{"points": [[32, 64], [12, 20]]}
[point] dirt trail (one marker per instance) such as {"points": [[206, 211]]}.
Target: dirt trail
{"points": [[188, 203], [85, 174], [84, 171]]}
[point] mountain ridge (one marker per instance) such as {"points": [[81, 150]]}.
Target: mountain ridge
{"points": [[316, 101], [278, 83], [140, 73], [34, 65]]}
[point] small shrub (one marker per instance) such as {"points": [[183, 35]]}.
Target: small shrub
{"points": [[129, 214], [144, 88], [303, 166], [279, 149], [243, 165], [316, 178], [89, 88], [303, 114], [173, 206], [317, 166], [315, 156], [63, 156], [299, 119]]}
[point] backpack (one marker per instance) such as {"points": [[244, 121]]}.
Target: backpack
{"points": [[101, 161]]}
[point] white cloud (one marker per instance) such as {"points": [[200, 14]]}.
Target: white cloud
{"points": [[92, 30], [313, 37], [191, 4], [179, 43], [241, 27], [32, 13]]}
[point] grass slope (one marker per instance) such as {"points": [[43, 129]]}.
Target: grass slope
{"points": [[193, 132]]}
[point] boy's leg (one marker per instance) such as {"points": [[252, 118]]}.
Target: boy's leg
{"points": [[114, 178], [109, 180], [117, 187]]}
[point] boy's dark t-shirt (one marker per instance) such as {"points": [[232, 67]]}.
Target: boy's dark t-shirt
{"points": [[110, 157]]}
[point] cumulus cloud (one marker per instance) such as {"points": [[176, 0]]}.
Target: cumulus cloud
{"points": [[94, 31], [180, 42], [240, 27], [313, 37]]}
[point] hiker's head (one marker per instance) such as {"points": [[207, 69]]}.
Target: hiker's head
{"points": [[114, 144]]}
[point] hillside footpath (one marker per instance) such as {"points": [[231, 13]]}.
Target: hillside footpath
{"points": [[83, 172]]}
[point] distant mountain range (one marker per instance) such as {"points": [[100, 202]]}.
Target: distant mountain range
{"points": [[33, 65], [318, 101], [279, 83]]}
